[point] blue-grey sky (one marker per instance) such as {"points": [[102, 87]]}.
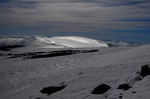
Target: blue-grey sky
{"points": [[125, 20]]}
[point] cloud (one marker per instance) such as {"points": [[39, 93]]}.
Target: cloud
{"points": [[98, 16]]}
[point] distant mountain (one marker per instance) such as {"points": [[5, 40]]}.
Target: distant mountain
{"points": [[61, 42], [54, 42], [120, 44]]}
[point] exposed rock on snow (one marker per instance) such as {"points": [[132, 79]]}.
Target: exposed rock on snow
{"points": [[145, 70], [101, 89], [34, 55], [9, 47], [133, 91], [120, 97], [124, 86], [52, 89]]}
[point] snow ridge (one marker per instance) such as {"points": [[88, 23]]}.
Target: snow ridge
{"points": [[54, 42]]}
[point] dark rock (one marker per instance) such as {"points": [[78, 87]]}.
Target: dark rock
{"points": [[9, 47], [101, 89], [80, 73], [124, 87], [38, 98], [145, 70], [61, 53], [106, 96], [138, 72], [63, 83], [120, 97], [133, 91], [52, 89], [34, 55]]}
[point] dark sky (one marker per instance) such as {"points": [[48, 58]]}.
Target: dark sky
{"points": [[125, 20]]}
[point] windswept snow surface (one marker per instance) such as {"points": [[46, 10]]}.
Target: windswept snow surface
{"points": [[54, 42], [78, 74]]}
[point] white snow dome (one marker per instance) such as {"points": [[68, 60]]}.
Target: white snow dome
{"points": [[78, 42]]}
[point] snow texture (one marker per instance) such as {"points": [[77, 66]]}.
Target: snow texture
{"points": [[75, 76]]}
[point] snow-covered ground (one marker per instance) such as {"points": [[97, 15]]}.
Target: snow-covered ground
{"points": [[78, 74]]}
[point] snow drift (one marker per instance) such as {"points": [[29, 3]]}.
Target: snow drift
{"points": [[54, 42]]}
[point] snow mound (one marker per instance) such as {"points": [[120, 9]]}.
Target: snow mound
{"points": [[76, 41], [54, 42]]}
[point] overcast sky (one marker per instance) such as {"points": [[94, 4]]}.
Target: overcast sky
{"points": [[127, 20]]}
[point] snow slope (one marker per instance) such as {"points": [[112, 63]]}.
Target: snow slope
{"points": [[54, 42], [80, 73]]}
